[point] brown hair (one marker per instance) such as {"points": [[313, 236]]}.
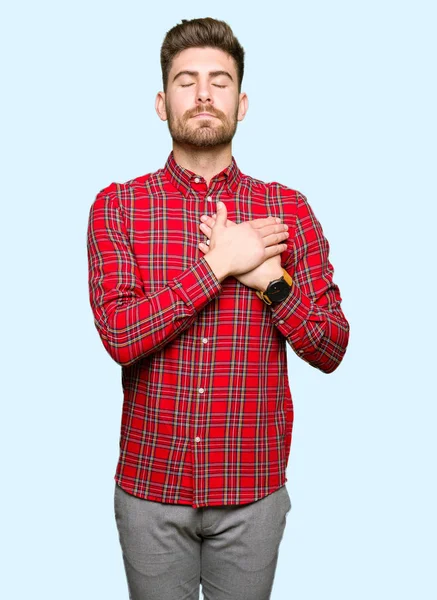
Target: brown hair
{"points": [[200, 33]]}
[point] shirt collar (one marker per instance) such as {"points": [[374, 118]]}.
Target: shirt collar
{"points": [[184, 179]]}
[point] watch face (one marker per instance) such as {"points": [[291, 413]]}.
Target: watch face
{"points": [[278, 290]]}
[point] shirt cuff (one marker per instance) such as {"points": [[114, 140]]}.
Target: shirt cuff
{"points": [[291, 313], [198, 285]]}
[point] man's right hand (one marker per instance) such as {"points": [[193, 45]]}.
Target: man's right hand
{"points": [[241, 248]]}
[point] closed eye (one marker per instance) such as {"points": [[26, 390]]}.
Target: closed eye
{"points": [[216, 84]]}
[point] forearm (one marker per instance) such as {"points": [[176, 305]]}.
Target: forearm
{"points": [[318, 334], [217, 265], [132, 328]]}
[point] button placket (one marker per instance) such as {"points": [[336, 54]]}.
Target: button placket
{"points": [[208, 199], [201, 390]]}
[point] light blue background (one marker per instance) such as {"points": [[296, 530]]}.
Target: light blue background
{"points": [[342, 106]]}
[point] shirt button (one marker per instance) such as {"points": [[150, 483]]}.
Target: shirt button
{"points": [[300, 351], [196, 180], [197, 439], [209, 198], [205, 340], [281, 322], [201, 390]]}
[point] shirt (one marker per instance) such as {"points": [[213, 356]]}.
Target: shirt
{"points": [[207, 411]]}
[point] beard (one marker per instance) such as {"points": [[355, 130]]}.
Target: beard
{"points": [[200, 132]]}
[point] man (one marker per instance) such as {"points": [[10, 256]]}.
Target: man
{"points": [[199, 275]]}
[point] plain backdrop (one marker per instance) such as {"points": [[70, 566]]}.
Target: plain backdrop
{"points": [[342, 107]]}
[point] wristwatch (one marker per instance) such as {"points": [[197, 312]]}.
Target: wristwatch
{"points": [[277, 290]]}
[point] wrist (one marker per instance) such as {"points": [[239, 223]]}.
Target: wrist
{"points": [[277, 290], [217, 266], [264, 283]]}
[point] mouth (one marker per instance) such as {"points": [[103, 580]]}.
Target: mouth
{"points": [[204, 115]]}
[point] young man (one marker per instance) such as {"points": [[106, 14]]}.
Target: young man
{"points": [[199, 275]]}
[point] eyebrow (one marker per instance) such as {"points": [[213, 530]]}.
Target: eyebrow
{"points": [[196, 73]]}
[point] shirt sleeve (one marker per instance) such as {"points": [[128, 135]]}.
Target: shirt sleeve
{"points": [[131, 323], [311, 318]]}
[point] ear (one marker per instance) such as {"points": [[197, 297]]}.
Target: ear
{"points": [[160, 106], [243, 106]]}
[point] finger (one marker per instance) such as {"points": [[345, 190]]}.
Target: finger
{"points": [[222, 213], [203, 247], [210, 221], [214, 216], [263, 221], [256, 223], [275, 238], [270, 229], [275, 250], [206, 229]]}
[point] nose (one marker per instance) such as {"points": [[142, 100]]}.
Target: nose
{"points": [[203, 98], [203, 92]]}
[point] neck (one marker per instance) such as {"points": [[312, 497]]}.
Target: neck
{"points": [[205, 162]]}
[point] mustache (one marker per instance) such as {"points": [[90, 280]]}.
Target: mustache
{"points": [[206, 110]]}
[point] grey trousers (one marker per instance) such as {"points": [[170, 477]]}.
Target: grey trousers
{"points": [[170, 549]]}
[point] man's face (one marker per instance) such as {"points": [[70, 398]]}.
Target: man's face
{"points": [[211, 86]]}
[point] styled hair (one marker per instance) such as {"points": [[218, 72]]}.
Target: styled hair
{"points": [[200, 33]]}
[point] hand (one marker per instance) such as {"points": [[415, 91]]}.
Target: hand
{"points": [[259, 277], [239, 248]]}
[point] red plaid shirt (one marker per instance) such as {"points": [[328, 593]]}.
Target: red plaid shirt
{"points": [[207, 414]]}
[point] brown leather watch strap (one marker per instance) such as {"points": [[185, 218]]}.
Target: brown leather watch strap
{"points": [[263, 295]]}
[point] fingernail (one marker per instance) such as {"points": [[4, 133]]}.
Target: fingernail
{"points": [[220, 204], [278, 220]]}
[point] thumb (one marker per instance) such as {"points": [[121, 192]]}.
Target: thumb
{"points": [[222, 214]]}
